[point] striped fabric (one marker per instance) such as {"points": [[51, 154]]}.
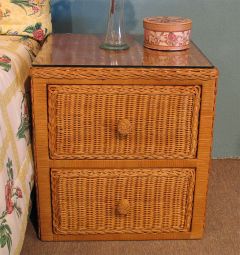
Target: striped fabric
{"points": [[16, 164]]}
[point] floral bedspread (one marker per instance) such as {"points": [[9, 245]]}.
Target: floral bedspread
{"points": [[16, 163]]}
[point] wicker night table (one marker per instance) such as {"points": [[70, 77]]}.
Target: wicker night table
{"points": [[122, 140]]}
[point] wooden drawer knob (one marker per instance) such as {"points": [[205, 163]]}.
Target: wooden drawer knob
{"points": [[123, 207], [124, 127]]}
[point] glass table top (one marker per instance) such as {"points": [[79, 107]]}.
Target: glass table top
{"points": [[79, 50]]}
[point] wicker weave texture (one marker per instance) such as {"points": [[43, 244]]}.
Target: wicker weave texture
{"points": [[122, 201], [85, 120], [203, 74]]}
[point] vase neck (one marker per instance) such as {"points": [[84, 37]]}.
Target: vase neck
{"points": [[116, 6]]}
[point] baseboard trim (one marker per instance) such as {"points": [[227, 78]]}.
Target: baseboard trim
{"points": [[235, 157]]}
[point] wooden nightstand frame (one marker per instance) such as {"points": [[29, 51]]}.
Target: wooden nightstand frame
{"points": [[44, 76]]}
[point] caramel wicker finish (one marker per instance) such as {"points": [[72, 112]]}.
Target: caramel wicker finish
{"points": [[120, 74], [89, 122], [122, 140], [100, 201]]}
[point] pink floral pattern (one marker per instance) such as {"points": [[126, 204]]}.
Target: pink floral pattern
{"points": [[5, 63], [167, 39], [12, 194], [16, 168], [30, 18], [36, 31], [35, 6]]}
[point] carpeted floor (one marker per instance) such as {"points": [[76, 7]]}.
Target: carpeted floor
{"points": [[222, 232]]}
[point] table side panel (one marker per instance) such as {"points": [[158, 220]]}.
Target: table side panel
{"points": [[42, 172], [204, 155]]}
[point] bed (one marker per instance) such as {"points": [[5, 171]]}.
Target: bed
{"points": [[24, 25], [16, 162]]}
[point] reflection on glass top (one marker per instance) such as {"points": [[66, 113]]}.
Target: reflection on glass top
{"points": [[83, 51]]}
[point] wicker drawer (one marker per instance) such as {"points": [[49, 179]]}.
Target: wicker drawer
{"points": [[122, 200], [123, 122]]}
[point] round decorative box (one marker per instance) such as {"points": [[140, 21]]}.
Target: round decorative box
{"points": [[167, 33]]}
